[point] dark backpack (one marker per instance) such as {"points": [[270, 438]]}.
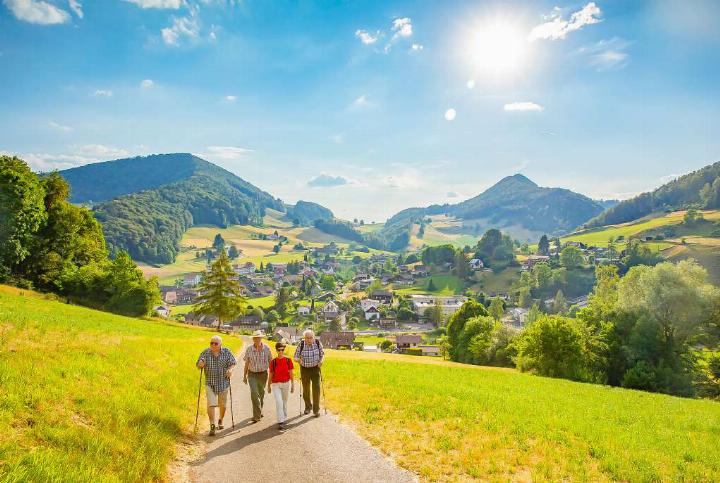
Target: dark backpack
{"points": [[302, 345], [273, 363]]}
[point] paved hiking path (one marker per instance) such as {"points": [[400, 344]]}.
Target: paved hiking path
{"points": [[311, 449]]}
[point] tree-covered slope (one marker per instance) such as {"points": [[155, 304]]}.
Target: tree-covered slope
{"points": [[699, 189], [185, 191], [515, 201], [306, 212]]}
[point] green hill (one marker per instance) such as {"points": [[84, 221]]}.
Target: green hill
{"points": [[452, 422], [90, 396], [698, 189], [306, 212], [145, 204], [515, 205]]}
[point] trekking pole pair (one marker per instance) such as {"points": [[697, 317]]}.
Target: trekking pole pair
{"points": [[197, 409]]}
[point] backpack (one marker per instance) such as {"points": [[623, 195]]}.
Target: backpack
{"points": [[273, 363], [302, 345]]}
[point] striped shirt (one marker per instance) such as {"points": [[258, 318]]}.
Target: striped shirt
{"points": [[215, 368], [258, 360], [309, 355]]}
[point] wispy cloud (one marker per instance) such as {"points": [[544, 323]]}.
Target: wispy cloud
{"points": [[37, 12], [327, 181], [102, 93], [366, 37], [147, 83], [77, 156], [227, 153], [170, 4], [361, 102], [59, 127], [557, 28], [607, 54], [187, 27], [523, 106], [76, 7], [417, 47], [231, 98]]}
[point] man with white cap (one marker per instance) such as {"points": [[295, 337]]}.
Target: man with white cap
{"points": [[218, 363], [257, 360]]}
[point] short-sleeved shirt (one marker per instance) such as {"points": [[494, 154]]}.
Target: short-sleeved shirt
{"points": [[281, 369], [258, 360], [309, 355], [215, 368]]}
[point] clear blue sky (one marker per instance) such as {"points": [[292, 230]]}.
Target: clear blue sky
{"points": [[370, 106]]}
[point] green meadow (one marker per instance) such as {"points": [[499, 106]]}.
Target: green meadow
{"points": [[90, 396], [452, 422]]}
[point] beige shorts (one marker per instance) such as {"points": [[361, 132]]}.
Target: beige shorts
{"points": [[213, 399]]}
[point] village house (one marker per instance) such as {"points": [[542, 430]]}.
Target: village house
{"points": [[408, 341], [430, 350], [192, 279], [383, 296], [476, 264], [370, 309], [420, 271], [303, 310], [337, 340], [288, 334], [330, 310], [533, 260], [251, 320], [264, 290], [449, 305], [169, 295], [162, 311], [517, 317], [388, 322], [403, 280]]}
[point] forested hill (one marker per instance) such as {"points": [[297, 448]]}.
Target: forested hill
{"points": [[515, 204], [699, 189], [147, 203]]}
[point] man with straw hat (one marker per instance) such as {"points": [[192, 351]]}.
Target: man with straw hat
{"points": [[257, 360], [218, 363]]}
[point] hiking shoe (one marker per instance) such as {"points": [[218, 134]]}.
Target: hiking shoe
{"points": [[317, 415], [220, 425], [212, 430], [307, 411], [281, 426]]}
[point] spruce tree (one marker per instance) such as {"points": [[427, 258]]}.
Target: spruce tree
{"points": [[219, 292]]}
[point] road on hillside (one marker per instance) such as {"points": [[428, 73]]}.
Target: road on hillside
{"points": [[311, 449]]}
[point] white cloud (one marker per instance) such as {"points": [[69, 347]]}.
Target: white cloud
{"points": [[523, 106], [338, 138], [402, 27], [59, 127], [327, 181], [80, 155], [171, 4], [187, 27], [228, 153], [231, 98], [450, 114], [557, 28], [366, 37], [362, 102], [670, 177], [470, 84], [102, 93], [76, 7], [607, 54], [417, 46], [37, 11], [147, 83]]}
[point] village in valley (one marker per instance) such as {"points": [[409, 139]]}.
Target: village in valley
{"points": [[363, 299]]}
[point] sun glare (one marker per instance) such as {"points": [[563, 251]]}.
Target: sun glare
{"points": [[498, 48]]}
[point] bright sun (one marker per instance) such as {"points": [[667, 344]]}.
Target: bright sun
{"points": [[498, 48]]}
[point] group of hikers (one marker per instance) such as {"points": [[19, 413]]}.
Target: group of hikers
{"points": [[262, 372]]}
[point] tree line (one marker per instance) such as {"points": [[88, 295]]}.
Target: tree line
{"points": [[49, 244]]}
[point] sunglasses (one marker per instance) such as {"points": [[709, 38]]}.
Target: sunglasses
{"points": [[214, 343], [280, 348]]}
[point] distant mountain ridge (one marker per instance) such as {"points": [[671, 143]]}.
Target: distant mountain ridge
{"points": [[697, 189], [146, 203], [514, 204]]}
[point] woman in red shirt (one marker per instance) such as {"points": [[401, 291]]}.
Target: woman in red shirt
{"points": [[280, 382]]}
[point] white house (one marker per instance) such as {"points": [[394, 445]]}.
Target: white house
{"points": [[303, 310], [162, 311], [449, 305], [476, 264], [191, 279]]}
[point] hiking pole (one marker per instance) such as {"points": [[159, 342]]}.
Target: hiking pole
{"points": [[197, 410], [300, 392], [232, 412], [322, 387]]}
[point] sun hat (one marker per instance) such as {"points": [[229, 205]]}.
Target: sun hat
{"points": [[258, 333]]}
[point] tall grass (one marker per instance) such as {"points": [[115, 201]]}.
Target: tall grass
{"points": [[452, 422], [90, 396]]}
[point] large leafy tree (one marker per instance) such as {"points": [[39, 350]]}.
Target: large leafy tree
{"points": [[219, 292], [22, 213], [551, 346], [571, 257]]}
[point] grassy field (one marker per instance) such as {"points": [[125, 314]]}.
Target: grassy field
{"points": [[600, 236], [89, 396], [490, 282], [445, 284], [455, 423]]}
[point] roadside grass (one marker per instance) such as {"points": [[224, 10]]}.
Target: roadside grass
{"points": [[91, 396], [452, 422]]}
